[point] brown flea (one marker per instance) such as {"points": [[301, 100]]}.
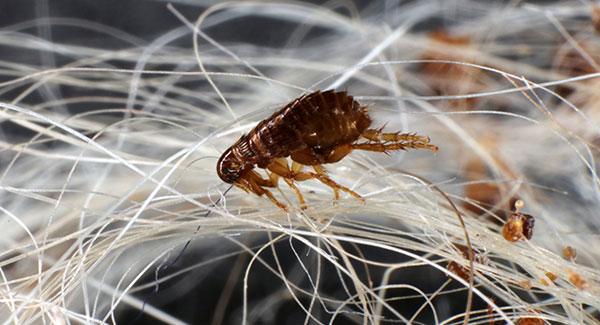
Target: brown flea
{"points": [[569, 253], [518, 225], [314, 129], [577, 280]]}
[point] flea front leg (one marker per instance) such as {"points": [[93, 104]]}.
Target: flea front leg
{"points": [[284, 171], [253, 182], [279, 168], [332, 155]]}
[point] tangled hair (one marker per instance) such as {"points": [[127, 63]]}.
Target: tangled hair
{"points": [[113, 118]]}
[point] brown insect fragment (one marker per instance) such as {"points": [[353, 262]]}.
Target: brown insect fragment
{"points": [[569, 253], [577, 280], [525, 284], [314, 129], [576, 62], [518, 225], [529, 321], [551, 276], [483, 196], [460, 270]]}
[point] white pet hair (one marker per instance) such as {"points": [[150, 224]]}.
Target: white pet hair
{"points": [[109, 147]]}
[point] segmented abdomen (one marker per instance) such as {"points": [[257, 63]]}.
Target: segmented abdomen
{"points": [[320, 120]]}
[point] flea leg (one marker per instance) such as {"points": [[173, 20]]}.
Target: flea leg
{"points": [[321, 171], [380, 147], [338, 153], [299, 195], [284, 171], [252, 182], [399, 140], [279, 167], [335, 186], [307, 157], [334, 155], [296, 168], [274, 200]]}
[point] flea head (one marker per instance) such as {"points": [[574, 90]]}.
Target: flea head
{"points": [[229, 167]]}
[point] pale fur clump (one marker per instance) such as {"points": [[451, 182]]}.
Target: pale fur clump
{"points": [[117, 170]]}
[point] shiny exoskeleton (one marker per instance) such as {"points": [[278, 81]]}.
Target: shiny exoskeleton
{"points": [[314, 129]]}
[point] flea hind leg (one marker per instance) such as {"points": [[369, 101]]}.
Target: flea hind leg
{"points": [[383, 147], [395, 141], [309, 157]]}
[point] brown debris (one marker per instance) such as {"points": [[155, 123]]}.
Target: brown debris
{"points": [[525, 284], [487, 195], [519, 225], [569, 253], [460, 270], [451, 78], [551, 276], [529, 321], [577, 280]]}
